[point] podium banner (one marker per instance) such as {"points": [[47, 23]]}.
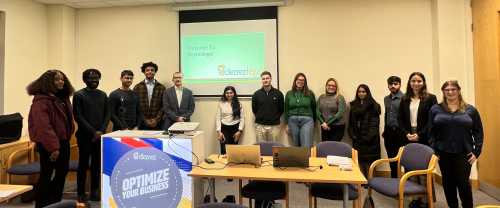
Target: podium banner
{"points": [[146, 172]]}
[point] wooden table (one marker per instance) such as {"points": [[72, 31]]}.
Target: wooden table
{"points": [[328, 174], [18, 188]]}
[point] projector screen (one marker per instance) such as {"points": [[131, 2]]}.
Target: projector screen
{"points": [[215, 54]]}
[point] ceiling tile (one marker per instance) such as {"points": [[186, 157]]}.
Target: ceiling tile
{"points": [[155, 2], [88, 5], [73, 5], [51, 1], [78, 1], [189, 1], [120, 3]]}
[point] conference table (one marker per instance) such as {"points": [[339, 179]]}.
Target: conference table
{"points": [[326, 174], [18, 189]]}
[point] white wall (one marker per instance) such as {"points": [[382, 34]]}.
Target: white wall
{"points": [[25, 52]]}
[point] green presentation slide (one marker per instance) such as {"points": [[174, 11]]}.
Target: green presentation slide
{"points": [[223, 58]]}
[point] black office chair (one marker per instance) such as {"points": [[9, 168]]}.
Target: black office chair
{"points": [[265, 190]]}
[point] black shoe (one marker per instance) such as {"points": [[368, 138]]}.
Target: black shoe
{"points": [[424, 205], [82, 198], [415, 204], [95, 195], [365, 186], [229, 180]]}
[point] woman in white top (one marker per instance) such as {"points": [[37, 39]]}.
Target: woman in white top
{"points": [[413, 117], [230, 119]]}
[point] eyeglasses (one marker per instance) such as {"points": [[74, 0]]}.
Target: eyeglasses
{"points": [[450, 90], [301, 80], [177, 77], [331, 86]]}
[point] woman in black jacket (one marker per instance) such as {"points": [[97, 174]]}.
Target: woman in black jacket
{"points": [[364, 128], [413, 117]]}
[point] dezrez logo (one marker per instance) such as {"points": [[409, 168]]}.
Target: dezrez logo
{"points": [[222, 69], [252, 72], [157, 181]]}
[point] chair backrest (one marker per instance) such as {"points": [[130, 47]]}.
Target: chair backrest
{"points": [[266, 148], [63, 204], [416, 157], [35, 148], [221, 205], [324, 149]]}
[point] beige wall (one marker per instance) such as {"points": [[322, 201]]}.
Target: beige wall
{"points": [[25, 52], [359, 41]]}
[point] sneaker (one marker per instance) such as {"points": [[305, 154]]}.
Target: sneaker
{"points": [[95, 195], [415, 204], [424, 205], [82, 198], [365, 186]]}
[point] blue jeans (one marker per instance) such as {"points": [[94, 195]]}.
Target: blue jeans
{"points": [[301, 130]]}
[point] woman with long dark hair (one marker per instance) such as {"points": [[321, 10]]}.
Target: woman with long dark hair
{"points": [[413, 117], [50, 126], [229, 119], [330, 112], [456, 135], [364, 128], [300, 112]]}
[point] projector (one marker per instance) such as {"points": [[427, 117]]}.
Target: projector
{"points": [[183, 128]]}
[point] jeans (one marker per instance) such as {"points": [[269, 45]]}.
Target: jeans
{"points": [[301, 130]]}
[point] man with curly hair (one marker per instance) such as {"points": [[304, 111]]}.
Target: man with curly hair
{"points": [[125, 105], [50, 126], [150, 92], [91, 111]]}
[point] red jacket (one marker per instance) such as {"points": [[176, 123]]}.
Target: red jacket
{"points": [[48, 122]]}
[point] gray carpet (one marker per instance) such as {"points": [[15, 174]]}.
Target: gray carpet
{"points": [[298, 197]]}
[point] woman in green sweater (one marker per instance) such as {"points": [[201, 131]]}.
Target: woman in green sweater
{"points": [[330, 110], [300, 112]]}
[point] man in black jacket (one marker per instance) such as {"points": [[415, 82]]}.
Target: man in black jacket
{"points": [[91, 112], [268, 104]]}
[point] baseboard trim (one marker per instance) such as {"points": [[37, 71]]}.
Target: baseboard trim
{"points": [[474, 183], [489, 189]]}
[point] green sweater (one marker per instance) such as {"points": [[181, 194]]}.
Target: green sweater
{"points": [[306, 107]]}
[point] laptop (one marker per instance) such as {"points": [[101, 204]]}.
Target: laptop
{"points": [[249, 154], [291, 157]]}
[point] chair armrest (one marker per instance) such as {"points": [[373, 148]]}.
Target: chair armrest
{"points": [[432, 166], [374, 164], [72, 146], [9, 161]]}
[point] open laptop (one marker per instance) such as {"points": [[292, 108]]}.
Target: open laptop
{"points": [[291, 157], [249, 154]]}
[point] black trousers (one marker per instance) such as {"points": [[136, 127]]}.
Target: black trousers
{"points": [[228, 132], [393, 140], [88, 150], [335, 134], [50, 189], [455, 170]]}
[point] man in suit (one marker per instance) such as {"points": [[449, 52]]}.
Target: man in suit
{"points": [[178, 103]]}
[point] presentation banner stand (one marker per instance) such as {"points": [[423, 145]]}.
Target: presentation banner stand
{"points": [[148, 169]]}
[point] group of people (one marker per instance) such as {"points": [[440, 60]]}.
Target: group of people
{"points": [[452, 127], [146, 106]]}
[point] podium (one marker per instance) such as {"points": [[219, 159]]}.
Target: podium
{"points": [[149, 169]]}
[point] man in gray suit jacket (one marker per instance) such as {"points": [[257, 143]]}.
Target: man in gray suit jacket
{"points": [[178, 103]]}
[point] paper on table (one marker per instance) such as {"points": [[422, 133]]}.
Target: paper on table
{"points": [[153, 132], [336, 160], [6, 193]]}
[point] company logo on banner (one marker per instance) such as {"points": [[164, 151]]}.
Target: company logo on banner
{"points": [[247, 72], [146, 177]]}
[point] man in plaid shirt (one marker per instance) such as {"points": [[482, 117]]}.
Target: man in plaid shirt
{"points": [[150, 91]]}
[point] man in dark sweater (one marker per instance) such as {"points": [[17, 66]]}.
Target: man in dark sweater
{"points": [[125, 105], [91, 112], [267, 105]]}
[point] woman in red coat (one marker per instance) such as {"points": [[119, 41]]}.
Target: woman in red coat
{"points": [[50, 125]]}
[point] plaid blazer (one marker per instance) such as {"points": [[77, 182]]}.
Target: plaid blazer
{"points": [[156, 109]]}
